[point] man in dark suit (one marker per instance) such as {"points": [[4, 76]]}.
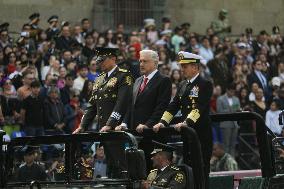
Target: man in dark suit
{"points": [[150, 97], [192, 99], [109, 101], [65, 41], [257, 76]]}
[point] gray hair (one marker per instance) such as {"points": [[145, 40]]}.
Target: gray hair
{"points": [[53, 89], [153, 54]]}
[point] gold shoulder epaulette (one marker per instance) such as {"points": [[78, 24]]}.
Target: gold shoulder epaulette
{"points": [[153, 170], [122, 70], [175, 168]]}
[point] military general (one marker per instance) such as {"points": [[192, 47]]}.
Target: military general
{"points": [[109, 101], [192, 99], [110, 95]]}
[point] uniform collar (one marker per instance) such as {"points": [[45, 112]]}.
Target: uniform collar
{"points": [[111, 71], [192, 79], [164, 168]]}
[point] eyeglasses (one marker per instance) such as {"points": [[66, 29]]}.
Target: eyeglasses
{"points": [[8, 83]]}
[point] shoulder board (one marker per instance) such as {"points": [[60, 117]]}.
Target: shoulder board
{"points": [[175, 168], [153, 170], [122, 70]]}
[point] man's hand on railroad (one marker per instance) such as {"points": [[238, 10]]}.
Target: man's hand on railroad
{"points": [[141, 127], [179, 126], [105, 128], [157, 127]]}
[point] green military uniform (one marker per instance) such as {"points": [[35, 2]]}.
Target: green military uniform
{"points": [[221, 27], [170, 177], [109, 102], [109, 99], [225, 163]]}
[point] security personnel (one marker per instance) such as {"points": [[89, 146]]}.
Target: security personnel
{"points": [[34, 23], [53, 31], [166, 175], [109, 101], [192, 99], [221, 26]]}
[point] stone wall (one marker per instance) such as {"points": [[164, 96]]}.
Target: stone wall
{"points": [[258, 14]]}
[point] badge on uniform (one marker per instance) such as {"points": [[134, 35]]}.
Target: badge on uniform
{"points": [[179, 177], [112, 82], [194, 91]]}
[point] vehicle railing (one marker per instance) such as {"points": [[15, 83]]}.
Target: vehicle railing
{"points": [[264, 144], [190, 143]]}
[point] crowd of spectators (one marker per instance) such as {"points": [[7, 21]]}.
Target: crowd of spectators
{"points": [[46, 74]]}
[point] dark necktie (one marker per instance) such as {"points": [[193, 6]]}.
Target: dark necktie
{"points": [[106, 77], [188, 83], [159, 171], [143, 85]]}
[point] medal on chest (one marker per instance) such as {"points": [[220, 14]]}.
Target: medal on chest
{"points": [[194, 91]]}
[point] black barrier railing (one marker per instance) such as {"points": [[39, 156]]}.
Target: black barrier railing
{"points": [[68, 140], [264, 144], [188, 135], [190, 143]]}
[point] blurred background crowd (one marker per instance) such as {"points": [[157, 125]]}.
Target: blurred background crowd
{"points": [[46, 74]]}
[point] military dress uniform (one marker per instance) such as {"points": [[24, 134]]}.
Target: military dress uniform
{"points": [[170, 177], [109, 99], [52, 32], [109, 102], [192, 98]]}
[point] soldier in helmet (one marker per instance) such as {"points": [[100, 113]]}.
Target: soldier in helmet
{"points": [[221, 26]]}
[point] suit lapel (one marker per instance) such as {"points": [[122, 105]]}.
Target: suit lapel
{"points": [[148, 86], [136, 88], [150, 83]]}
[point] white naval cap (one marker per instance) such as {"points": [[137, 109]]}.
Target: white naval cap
{"points": [[187, 58]]}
